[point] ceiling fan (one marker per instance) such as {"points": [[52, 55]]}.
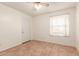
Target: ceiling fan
{"points": [[38, 5]]}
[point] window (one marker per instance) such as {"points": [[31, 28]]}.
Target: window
{"points": [[59, 25]]}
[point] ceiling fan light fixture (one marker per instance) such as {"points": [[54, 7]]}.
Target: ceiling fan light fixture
{"points": [[39, 5]]}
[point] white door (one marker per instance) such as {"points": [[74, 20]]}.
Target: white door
{"points": [[25, 30]]}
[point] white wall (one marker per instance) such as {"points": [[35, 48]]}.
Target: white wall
{"points": [[11, 22], [77, 25], [41, 28]]}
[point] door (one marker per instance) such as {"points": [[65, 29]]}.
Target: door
{"points": [[25, 30]]}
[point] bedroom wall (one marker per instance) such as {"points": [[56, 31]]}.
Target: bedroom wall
{"points": [[41, 28], [77, 26], [11, 22]]}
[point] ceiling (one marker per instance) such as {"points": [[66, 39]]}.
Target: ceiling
{"points": [[27, 7]]}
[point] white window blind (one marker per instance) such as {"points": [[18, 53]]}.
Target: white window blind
{"points": [[59, 25]]}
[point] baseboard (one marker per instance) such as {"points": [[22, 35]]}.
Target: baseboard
{"points": [[3, 49], [26, 41], [53, 42]]}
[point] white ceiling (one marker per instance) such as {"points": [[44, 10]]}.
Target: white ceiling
{"points": [[27, 7]]}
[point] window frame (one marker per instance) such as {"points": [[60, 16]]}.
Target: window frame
{"points": [[69, 15]]}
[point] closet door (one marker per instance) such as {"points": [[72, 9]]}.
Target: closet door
{"points": [[25, 30]]}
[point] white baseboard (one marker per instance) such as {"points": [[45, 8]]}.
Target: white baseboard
{"points": [[11, 46], [47, 40]]}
